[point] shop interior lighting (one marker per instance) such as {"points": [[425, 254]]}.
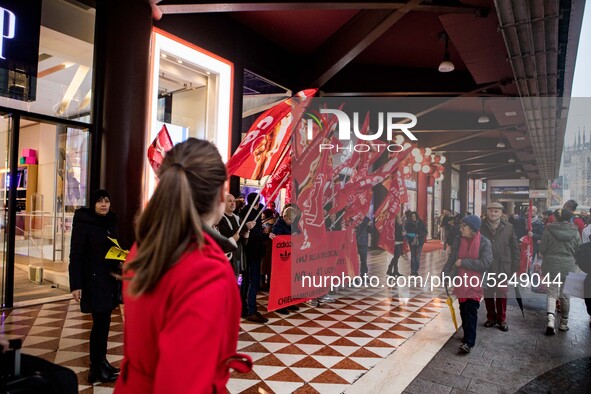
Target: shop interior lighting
{"points": [[483, 117], [511, 160], [446, 65], [501, 143], [72, 88]]}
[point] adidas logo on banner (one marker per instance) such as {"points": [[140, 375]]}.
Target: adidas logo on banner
{"points": [[285, 255]]}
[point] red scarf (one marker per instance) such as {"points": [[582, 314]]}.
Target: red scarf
{"points": [[469, 247]]}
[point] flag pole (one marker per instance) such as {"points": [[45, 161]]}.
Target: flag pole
{"points": [[287, 148]]}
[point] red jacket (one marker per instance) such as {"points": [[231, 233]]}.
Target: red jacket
{"points": [[182, 336]]}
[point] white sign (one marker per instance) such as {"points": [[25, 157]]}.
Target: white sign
{"points": [[538, 194], [7, 27]]}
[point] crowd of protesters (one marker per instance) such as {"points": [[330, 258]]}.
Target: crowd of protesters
{"points": [[548, 232]]}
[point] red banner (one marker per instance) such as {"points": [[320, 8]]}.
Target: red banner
{"points": [[265, 141], [158, 148], [297, 273], [385, 221]]}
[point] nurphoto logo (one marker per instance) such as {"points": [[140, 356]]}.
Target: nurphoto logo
{"points": [[386, 122]]}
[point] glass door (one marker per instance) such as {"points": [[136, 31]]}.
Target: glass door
{"points": [[54, 161], [5, 133]]}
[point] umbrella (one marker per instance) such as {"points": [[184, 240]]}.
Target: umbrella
{"points": [[450, 304], [519, 299]]}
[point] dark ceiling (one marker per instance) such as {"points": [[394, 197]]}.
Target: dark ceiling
{"points": [[393, 49]]}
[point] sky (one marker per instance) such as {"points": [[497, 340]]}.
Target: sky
{"points": [[582, 78], [579, 114]]}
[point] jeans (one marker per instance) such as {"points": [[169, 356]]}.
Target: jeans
{"points": [[99, 334], [393, 267], [415, 258], [362, 251], [254, 283], [469, 315]]}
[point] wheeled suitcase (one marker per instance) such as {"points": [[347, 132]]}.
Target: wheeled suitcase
{"points": [[24, 374]]}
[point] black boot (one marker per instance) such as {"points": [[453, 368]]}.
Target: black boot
{"points": [[110, 367], [99, 372]]}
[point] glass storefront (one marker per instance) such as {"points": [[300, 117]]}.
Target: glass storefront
{"points": [[44, 156]]}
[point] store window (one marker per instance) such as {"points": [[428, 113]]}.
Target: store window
{"points": [[61, 86], [52, 157], [191, 94]]}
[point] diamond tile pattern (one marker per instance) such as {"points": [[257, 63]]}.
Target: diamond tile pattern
{"points": [[318, 349], [59, 332]]}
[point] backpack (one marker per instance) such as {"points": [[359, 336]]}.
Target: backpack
{"points": [[583, 257]]}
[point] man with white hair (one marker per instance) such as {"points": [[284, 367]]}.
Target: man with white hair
{"points": [[506, 256]]}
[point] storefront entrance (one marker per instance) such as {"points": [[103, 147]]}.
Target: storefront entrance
{"points": [[43, 180]]}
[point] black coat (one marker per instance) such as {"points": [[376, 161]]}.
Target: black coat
{"points": [[89, 270], [254, 248], [281, 227], [418, 228]]}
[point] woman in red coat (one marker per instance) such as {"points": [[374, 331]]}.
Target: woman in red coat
{"points": [[182, 307]]}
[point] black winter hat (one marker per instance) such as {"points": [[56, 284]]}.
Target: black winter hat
{"points": [[97, 195]]}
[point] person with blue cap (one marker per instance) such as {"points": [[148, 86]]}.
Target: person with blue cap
{"points": [[471, 255]]}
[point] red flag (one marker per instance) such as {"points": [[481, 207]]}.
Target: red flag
{"points": [[158, 148], [283, 171], [386, 217], [526, 245], [266, 139]]}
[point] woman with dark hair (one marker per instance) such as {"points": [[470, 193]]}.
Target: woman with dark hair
{"points": [[558, 247], [398, 237], [92, 279], [416, 231], [182, 307]]}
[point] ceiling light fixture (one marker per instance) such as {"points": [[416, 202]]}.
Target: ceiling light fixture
{"points": [[483, 117], [501, 143], [446, 65], [511, 160]]}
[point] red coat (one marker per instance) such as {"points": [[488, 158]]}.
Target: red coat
{"points": [[182, 336]]}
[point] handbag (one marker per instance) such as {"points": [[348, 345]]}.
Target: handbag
{"points": [[574, 284], [537, 270]]}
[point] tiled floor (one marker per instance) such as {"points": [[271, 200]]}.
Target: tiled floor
{"points": [[322, 349]]}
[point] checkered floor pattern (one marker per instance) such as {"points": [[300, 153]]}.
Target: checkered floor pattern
{"points": [[318, 349]]}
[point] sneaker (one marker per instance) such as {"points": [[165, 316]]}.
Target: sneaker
{"points": [[464, 348], [550, 324], [326, 299], [503, 326], [293, 308], [563, 324], [489, 324], [257, 318]]}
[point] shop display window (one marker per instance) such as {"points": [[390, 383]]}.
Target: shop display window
{"points": [[191, 93]]}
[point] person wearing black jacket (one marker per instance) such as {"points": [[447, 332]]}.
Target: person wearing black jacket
{"points": [[92, 279], [454, 230], [398, 239], [362, 237], [254, 251], [416, 233]]}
